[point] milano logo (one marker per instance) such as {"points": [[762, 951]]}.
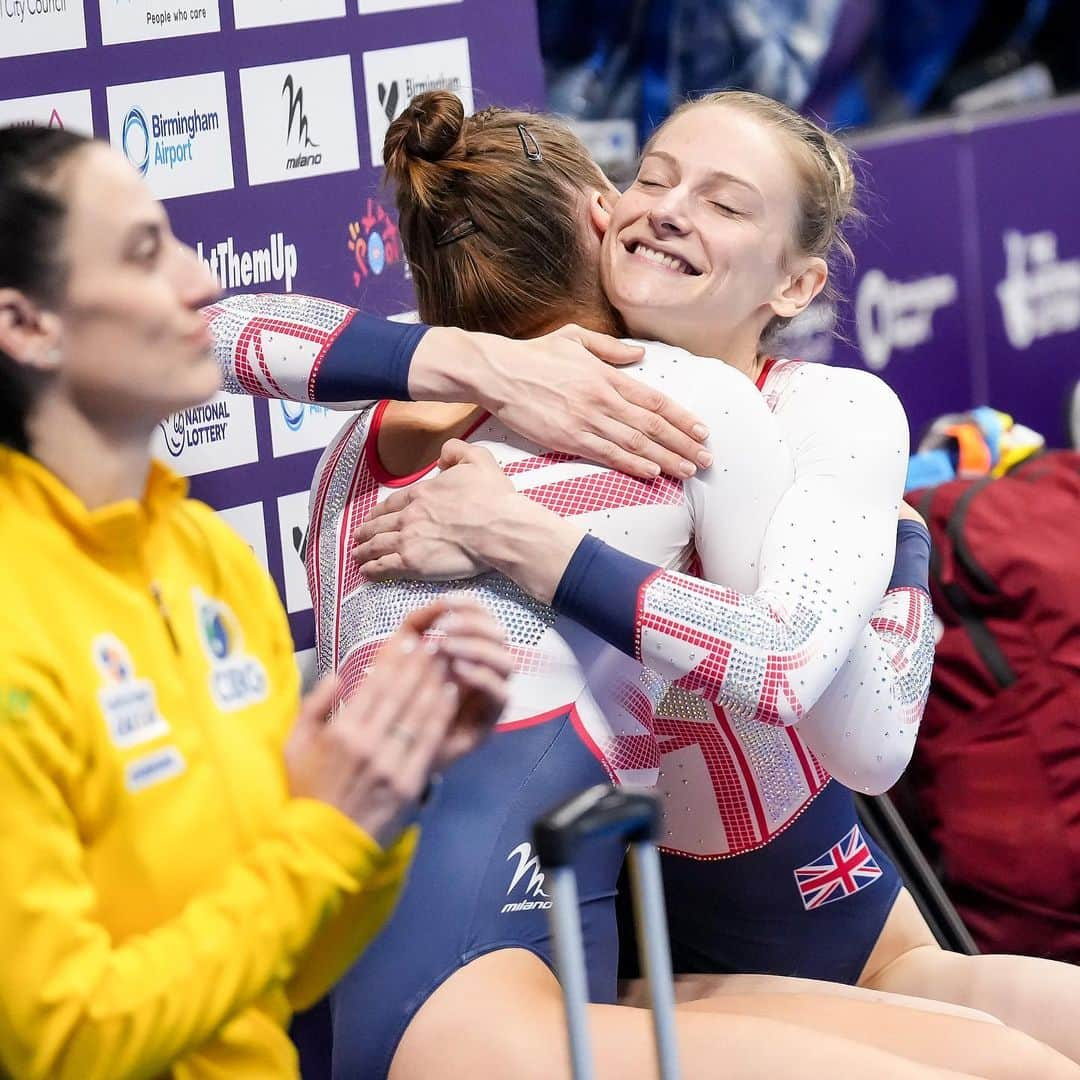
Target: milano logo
{"points": [[298, 119]]}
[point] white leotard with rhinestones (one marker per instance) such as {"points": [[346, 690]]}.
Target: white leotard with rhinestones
{"points": [[754, 689]]}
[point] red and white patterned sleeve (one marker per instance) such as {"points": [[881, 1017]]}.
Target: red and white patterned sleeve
{"points": [[307, 349]]}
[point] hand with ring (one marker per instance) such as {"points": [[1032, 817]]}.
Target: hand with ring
{"points": [[423, 704]]}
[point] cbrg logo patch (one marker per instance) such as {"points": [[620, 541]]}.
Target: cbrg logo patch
{"points": [[237, 679], [298, 119], [175, 132], [68, 112], [150, 20], [393, 77]]}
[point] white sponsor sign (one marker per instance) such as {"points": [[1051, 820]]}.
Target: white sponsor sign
{"points": [[41, 26], [237, 268], [293, 523], [274, 12], [295, 427], [249, 521], [392, 77], [217, 435], [299, 119], [148, 20], [175, 132], [70, 111], [898, 314], [307, 663], [369, 7], [1040, 295]]}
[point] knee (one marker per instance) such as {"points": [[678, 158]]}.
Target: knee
{"points": [[1016, 1056]]}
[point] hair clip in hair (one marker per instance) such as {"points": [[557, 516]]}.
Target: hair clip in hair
{"points": [[458, 231], [529, 144]]}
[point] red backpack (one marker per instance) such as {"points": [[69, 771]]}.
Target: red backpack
{"points": [[996, 775]]}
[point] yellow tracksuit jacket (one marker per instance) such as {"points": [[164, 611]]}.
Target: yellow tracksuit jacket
{"points": [[164, 904]]}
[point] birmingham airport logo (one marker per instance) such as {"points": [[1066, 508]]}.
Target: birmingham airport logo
{"points": [[168, 141], [136, 140], [296, 412]]}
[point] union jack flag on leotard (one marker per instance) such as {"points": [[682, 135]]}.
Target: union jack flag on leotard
{"points": [[842, 871]]}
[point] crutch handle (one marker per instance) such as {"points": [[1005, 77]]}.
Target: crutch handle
{"points": [[598, 811]]}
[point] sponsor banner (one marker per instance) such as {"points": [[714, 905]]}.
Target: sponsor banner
{"points": [[1029, 246], [907, 306], [250, 13], [70, 111], [299, 120], [149, 20], [892, 315], [249, 521], [370, 7], [175, 132], [295, 427], [28, 27], [293, 523], [307, 663], [240, 268], [217, 435], [375, 244], [392, 77]]}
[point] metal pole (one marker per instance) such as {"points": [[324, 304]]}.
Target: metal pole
{"points": [[655, 953], [570, 963]]}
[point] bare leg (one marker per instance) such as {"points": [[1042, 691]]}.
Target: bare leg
{"points": [[1040, 997], [502, 1016], [698, 987], [943, 1041]]}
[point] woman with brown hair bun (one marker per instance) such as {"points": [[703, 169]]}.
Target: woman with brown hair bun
{"points": [[470, 938]]}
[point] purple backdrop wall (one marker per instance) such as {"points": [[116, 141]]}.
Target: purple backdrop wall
{"points": [[278, 186], [967, 288], [264, 142]]}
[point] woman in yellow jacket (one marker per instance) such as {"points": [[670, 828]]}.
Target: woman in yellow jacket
{"points": [[187, 852]]}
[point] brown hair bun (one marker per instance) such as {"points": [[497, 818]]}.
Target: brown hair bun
{"points": [[429, 131]]}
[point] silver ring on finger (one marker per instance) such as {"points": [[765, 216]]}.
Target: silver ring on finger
{"points": [[400, 731]]}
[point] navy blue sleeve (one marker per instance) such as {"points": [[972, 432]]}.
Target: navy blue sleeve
{"points": [[599, 590], [369, 360], [911, 568]]}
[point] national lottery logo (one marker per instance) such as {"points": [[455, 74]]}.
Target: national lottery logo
{"points": [[196, 427], [136, 140], [164, 142]]}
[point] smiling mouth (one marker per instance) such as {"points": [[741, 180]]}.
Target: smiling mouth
{"points": [[662, 258]]}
